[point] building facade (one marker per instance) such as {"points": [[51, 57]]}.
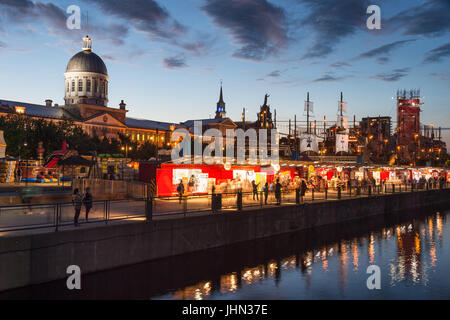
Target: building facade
{"points": [[87, 105]]}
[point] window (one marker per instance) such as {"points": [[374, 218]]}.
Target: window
{"points": [[103, 88], [80, 85], [73, 85], [88, 85], [68, 86], [95, 86]]}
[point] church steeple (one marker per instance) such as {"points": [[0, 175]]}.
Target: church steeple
{"points": [[221, 112]]}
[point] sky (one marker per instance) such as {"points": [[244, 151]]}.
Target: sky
{"points": [[167, 58]]}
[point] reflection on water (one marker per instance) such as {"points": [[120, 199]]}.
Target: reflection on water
{"points": [[322, 263], [409, 254]]}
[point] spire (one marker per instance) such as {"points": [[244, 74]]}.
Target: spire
{"points": [[221, 95], [220, 111]]}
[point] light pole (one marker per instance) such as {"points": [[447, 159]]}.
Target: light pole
{"points": [[126, 148], [25, 144]]}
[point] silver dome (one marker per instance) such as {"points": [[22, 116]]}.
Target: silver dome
{"points": [[86, 61]]}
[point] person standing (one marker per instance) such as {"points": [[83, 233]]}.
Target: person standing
{"points": [[303, 188], [266, 192], [255, 190], [19, 174], [77, 201], [88, 202], [180, 190], [278, 192]]}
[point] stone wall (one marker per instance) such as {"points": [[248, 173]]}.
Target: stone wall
{"points": [[35, 259]]}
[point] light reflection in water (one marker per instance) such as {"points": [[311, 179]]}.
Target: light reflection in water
{"points": [[355, 255], [415, 254]]}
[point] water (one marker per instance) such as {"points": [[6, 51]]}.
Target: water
{"points": [[324, 263]]}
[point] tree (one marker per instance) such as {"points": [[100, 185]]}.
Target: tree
{"points": [[23, 134]]}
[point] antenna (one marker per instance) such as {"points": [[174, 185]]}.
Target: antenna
{"points": [[87, 22]]}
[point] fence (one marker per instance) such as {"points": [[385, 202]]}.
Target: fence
{"points": [[57, 215]]}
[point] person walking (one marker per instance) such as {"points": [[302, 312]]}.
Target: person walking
{"points": [[180, 190], [77, 201], [87, 202], [255, 190], [266, 192], [278, 192]]}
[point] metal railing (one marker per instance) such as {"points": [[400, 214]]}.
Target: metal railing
{"points": [[59, 215]]}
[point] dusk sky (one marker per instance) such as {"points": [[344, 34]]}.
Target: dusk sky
{"points": [[166, 58]]}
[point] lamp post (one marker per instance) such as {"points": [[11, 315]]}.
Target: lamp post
{"points": [[25, 144], [126, 148]]}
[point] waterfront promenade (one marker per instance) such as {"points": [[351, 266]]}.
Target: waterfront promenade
{"points": [[42, 218]]}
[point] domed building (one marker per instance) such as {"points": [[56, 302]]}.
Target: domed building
{"points": [[86, 78], [86, 83]]}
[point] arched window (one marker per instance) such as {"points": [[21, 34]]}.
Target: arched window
{"points": [[88, 85], [80, 85]]}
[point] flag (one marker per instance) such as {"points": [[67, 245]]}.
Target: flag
{"points": [[310, 106], [342, 122], [342, 107], [309, 142], [341, 143]]}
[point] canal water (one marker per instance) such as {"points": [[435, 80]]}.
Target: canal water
{"points": [[411, 250]]}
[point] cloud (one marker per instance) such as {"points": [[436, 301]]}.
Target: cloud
{"points": [[274, 74], [26, 12], [436, 55], [441, 76], [329, 78], [173, 63], [340, 64], [332, 21], [393, 76], [257, 26], [145, 15], [381, 53], [152, 19], [108, 57], [431, 18]]}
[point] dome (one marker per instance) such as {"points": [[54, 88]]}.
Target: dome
{"points": [[86, 61]]}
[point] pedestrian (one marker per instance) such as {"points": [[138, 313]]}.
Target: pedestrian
{"points": [[266, 192], [255, 190], [77, 201], [19, 175], [278, 192], [303, 188], [87, 202], [180, 190]]}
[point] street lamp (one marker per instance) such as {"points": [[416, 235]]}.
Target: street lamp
{"points": [[25, 144]]}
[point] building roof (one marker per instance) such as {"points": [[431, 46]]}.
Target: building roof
{"points": [[35, 110], [87, 61], [149, 124], [205, 122], [60, 112]]}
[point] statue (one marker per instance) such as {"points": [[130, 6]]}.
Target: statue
{"points": [[265, 99]]}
